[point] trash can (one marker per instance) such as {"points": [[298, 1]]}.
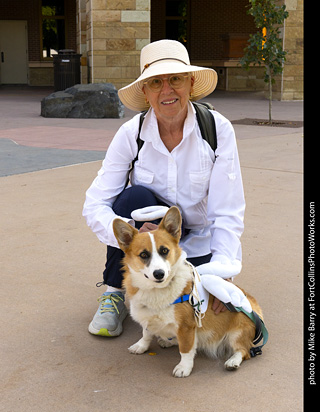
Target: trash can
{"points": [[66, 65]]}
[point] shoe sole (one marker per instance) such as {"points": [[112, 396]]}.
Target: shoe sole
{"points": [[105, 332]]}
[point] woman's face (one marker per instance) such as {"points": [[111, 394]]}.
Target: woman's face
{"points": [[169, 101]]}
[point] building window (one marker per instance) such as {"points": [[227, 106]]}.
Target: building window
{"points": [[53, 27], [177, 20]]}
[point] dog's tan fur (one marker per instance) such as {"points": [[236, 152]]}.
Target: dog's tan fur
{"points": [[227, 334]]}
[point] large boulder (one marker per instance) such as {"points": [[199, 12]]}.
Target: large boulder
{"points": [[96, 100]]}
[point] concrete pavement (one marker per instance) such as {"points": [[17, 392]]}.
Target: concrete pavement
{"points": [[50, 262]]}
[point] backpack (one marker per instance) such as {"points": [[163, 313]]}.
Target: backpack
{"points": [[206, 124]]}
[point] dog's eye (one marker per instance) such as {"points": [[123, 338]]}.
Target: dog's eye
{"points": [[144, 255], [163, 250]]}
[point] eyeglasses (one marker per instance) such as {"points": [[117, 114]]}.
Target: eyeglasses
{"points": [[176, 81]]}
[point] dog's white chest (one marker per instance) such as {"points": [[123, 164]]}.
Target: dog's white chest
{"points": [[160, 322]]}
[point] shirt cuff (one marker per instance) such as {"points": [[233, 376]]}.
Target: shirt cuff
{"points": [[112, 241], [221, 266]]}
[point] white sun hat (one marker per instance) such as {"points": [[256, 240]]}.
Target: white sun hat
{"points": [[166, 57]]}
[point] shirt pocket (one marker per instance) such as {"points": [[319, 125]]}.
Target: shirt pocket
{"points": [[142, 176], [199, 184]]}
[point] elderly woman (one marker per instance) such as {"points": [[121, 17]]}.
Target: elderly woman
{"points": [[175, 166]]}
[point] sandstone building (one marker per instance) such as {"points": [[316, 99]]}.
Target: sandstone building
{"points": [[109, 35]]}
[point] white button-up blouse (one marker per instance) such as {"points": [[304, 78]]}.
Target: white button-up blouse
{"points": [[206, 187]]}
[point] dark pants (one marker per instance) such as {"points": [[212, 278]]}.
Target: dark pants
{"points": [[132, 198]]}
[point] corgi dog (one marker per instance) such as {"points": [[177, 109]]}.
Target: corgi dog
{"points": [[155, 275]]}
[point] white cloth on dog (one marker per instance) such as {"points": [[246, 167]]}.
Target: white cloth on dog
{"points": [[146, 214], [225, 291], [202, 293]]}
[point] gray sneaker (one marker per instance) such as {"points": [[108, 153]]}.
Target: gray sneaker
{"points": [[109, 317]]}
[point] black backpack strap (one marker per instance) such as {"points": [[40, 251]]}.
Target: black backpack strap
{"points": [[206, 123], [139, 143]]}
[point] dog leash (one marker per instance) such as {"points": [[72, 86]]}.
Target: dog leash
{"points": [[261, 330]]}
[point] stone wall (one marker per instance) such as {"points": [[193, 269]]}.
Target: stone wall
{"points": [[239, 79], [116, 31], [292, 77]]}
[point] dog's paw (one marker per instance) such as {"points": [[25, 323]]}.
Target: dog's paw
{"points": [[167, 343], [234, 362], [182, 371], [138, 348]]}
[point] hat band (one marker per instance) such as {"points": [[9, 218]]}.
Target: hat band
{"points": [[166, 58]]}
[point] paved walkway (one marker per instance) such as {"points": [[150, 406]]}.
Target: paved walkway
{"points": [[74, 141], [50, 262]]}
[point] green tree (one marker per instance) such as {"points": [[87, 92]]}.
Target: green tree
{"points": [[265, 47]]}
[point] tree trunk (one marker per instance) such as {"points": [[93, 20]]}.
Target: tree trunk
{"points": [[270, 98]]}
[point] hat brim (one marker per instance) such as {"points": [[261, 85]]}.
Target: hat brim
{"points": [[205, 82]]}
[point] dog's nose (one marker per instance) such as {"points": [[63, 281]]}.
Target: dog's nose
{"points": [[158, 274]]}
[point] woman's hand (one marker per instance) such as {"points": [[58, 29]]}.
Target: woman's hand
{"points": [[147, 227], [217, 305]]}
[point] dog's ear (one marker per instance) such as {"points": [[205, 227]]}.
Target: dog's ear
{"points": [[124, 233], [172, 222]]}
